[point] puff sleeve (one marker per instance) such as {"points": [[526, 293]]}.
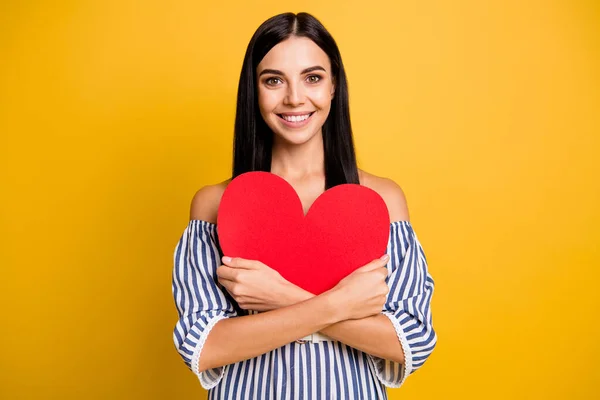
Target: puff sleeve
{"points": [[200, 301], [408, 305]]}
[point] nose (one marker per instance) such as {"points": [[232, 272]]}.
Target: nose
{"points": [[295, 95]]}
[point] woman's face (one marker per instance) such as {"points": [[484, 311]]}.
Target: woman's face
{"points": [[295, 89]]}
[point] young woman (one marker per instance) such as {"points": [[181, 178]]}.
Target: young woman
{"points": [[243, 329]]}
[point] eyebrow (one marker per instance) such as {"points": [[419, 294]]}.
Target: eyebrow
{"points": [[304, 71]]}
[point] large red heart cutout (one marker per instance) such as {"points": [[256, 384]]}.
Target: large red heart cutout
{"points": [[260, 217]]}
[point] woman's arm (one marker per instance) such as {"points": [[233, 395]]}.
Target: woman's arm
{"points": [[240, 338], [359, 295], [382, 339], [373, 335]]}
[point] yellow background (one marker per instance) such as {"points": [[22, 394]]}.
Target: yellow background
{"points": [[113, 113]]}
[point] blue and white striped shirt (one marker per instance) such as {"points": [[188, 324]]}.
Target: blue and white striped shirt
{"points": [[323, 370]]}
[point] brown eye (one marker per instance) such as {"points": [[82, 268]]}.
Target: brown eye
{"points": [[314, 78], [272, 81]]}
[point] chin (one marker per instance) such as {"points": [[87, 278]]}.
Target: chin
{"points": [[294, 138]]}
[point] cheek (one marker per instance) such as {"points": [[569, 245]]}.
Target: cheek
{"points": [[322, 98], [267, 101]]}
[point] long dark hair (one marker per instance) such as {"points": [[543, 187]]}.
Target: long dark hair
{"points": [[253, 139]]}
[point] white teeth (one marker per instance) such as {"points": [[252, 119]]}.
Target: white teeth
{"points": [[295, 118]]}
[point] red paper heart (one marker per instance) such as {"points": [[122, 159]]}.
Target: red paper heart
{"points": [[261, 218]]}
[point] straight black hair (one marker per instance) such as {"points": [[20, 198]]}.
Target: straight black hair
{"points": [[253, 139]]}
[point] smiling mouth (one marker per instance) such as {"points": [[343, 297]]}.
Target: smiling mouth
{"points": [[295, 118]]}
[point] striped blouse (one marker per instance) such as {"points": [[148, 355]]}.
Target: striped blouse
{"points": [[313, 370]]}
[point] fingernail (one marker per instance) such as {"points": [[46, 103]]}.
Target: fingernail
{"points": [[226, 259], [385, 257]]}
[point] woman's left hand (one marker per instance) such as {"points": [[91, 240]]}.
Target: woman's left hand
{"points": [[256, 286]]}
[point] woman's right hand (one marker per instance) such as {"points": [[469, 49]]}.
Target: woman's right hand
{"points": [[364, 292]]}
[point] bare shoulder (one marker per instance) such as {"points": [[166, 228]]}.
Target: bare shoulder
{"points": [[205, 202], [390, 191]]}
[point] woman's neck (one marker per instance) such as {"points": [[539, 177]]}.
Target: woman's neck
{"points": [[296, 162]]}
